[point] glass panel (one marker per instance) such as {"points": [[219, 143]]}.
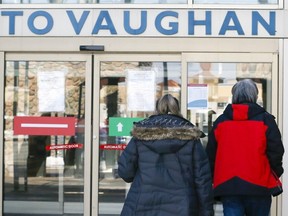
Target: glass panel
{"points": [[213, 83], [43, 151], [128, 90]]}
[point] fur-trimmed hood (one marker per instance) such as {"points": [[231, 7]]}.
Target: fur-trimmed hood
{"points": [[165, 155], [165, 133]]}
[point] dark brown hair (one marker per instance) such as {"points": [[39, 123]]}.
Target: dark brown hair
{"points": [[168, 104]]}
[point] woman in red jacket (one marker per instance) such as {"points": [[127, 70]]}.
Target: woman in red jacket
{"points": [[245, 150]]}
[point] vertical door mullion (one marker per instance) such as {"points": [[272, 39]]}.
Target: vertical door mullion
{"points": [[1, 125], [88, 137], [95, 134]]}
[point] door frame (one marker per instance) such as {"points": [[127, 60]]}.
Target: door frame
{"points": [[236, 58], [96, 80], [277, 85], [88, 100], [184, 58], [92, 81]]}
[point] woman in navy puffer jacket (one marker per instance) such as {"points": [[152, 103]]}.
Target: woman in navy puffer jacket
{"points": [[167, 165]]}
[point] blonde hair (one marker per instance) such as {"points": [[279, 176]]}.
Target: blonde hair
{"points": [[168, 104]]}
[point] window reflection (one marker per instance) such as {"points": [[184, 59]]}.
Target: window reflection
{"points": [[214, 81], [36, 170], [127, 90], [94, 1]]}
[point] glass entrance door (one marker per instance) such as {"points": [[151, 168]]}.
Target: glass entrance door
{"points": [[45, 159], [60, 156], [129, 86], [210, 78]]}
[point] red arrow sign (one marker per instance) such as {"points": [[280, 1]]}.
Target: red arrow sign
{"points": [[32, 125]]}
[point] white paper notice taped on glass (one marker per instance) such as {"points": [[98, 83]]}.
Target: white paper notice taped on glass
{"points": [[51, 91], [140, 90], [197, 96]]}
